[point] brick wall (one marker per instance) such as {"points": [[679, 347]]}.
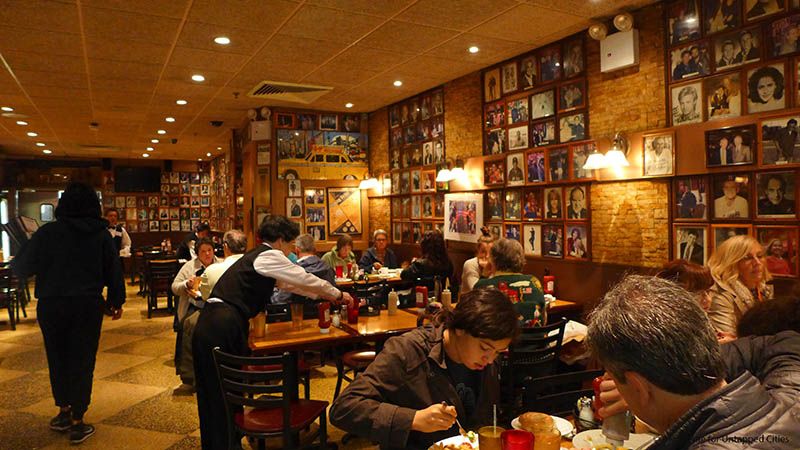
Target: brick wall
{"points": [[463, 114], [630, 223], [378, 163]]}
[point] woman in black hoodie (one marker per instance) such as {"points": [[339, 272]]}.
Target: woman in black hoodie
{"points": [[73, 258]]}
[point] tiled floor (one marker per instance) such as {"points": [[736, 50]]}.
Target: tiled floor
{"points": [[132, 402]]}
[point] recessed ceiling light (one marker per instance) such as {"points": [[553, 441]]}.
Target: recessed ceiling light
{"points": [[169, 119], [398, 83], [154, 141], [161, 131], [40, 144], [32, 134], [208, 154], [222, 40], [149, 149], [474, 49], [181, 102], [145, 155], [219, 148], [7, 108], [199, 78], [348, 105], [22, 123], [47, 152], [199, 159]]}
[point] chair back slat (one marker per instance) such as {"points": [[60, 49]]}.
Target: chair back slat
{"points": [[557, 394], [536, 352]]}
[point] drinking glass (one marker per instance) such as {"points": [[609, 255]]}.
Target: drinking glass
{"points": [[297, 315], [489, 438]]}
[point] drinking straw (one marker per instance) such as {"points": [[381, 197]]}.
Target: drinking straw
{"points": [[494, 417]]}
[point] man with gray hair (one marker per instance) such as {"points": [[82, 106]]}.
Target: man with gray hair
{"points": [[662, 357], [304, 247], [379, 255]]}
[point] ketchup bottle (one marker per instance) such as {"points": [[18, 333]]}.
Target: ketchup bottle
{"points": [[324, 311], [549, 283], [422, 296]]}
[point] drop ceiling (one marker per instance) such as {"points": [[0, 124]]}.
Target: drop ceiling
{"points": [[124, 63]]}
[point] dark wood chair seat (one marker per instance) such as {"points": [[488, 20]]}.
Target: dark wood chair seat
{"points": [[303, 372], [302, 414], [358, 359]]}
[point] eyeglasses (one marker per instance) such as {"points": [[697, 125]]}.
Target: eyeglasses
{"points": [[751, 258]]}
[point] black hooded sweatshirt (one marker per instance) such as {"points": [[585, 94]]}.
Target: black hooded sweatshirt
{"points": [[73, 257]]}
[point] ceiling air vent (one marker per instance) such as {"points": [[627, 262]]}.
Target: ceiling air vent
{"points": [[288, 92]]}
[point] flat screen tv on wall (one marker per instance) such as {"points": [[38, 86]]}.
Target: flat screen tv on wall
{"points": [[137, 179]]}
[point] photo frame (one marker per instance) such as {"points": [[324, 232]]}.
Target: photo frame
{"points": [[416, 181], [691, 243], [721, 15], [397, 233], [494, 172], [690, 61], [543, 104], [658, 154], [780, 247], [494, 206], [344, 211], [495, 142], [494, 114], [535, 166], [532, 204], [558, 164], [416, 207], [572, 96], [515, 172], [306, 121], [766, 88], [315, 196], [427, 206], [780, 141], [723, 96], [509, 78], [775, 196], [553, 241], [464, 217], [574, 57], [687, 103], [543, 133], [528, 72], [579, 154], [577, 242], [722, 232], [730, 146], [491, 85], [284, 120], [318, 232], [553, 203], [496, 230], [755, 10], [550, 63], [517, 110], [683, 21], [691, 198], [573, 127], [512, 231], [731, 193], [428, 182], [416, 232], [532, 240], [577, 198], [351, 123], [294, 188], [512, 204], [518, 138]]}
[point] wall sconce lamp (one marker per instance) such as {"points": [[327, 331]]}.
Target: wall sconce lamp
{"points": [[446, 174], [369, 183], [595, 161], [617, 156]]}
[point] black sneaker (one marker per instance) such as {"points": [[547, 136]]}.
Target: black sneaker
{"points": [[80, 432], [62, 422]]}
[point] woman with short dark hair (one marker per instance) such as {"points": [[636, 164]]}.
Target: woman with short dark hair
{"points": [[73, 259], [407, 398]]}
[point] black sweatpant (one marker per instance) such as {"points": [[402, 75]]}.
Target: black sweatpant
{"points": [[71, 330], [219, 325]]}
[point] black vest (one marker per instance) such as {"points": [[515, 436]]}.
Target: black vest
{"points": [[117, 236], [244, 288]]}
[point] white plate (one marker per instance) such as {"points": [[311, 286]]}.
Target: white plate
{"points": [[590, 438], [456, 440], [563, 425]]}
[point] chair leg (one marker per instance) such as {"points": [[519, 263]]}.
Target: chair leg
{"points": [[323, 431], [149, 304], [11, 315], [307, 385], [339, 377]]}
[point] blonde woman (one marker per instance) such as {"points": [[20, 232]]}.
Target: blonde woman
{"points": [[480, 266], [740, 274]]}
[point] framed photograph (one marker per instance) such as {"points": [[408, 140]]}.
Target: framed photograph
{"points": [[557, 164], [723, 96], [416, 207], [512, 231], [659, 154], [553, 241], [691, 202], [494, 206], [780, 248], [294, 188], [776, 195], [315, 197], [577, 202], [413, 110], [510, 77], [543, 104], [531, 240], [495, 142], [690, 61], [579, 154], [438, 208], [416, 184], [428, 180], [543, 133], [766, 88], [783, 35], [535, 165], [425, 108], [405, 233], [416, 232], [405, 207], [528, 73], [721, 15], [306, 121], [405, 182], [518, 138], [553, 202], [496, 230], [572, 127], [512, 204], [394, 116], [757, 9], [577, 241], [491, 85], [574, 61], [494, 115], [315, 214], [730, 146], [550, 63], [397, 233], [464, 216], [514, 165], [691, 243], [284, 120], [731, 196], [686, 104], [518, 111], [683, 21], [722, 232], [317, 232], [427, 207], [437, 103], [344, 209], [572, 96], [532, 204], [351, 123], [780, 141], [493, 172]]}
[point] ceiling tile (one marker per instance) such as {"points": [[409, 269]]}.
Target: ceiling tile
{"points": [[102, 68], [259, 15], [38, 41], [457, 49], [184, 75], [432, 67], [110, 84], [201, 35], [258, 71], [404, 37], [360, 56], [54, 79], [454, 14], [520, 20], [130, 51], [47, 91], [172, 8], [40, 15], [285, 49], [372, 7], [193, 92], [589, 9], [329, 24], [44, 62], [206, 59], [111, 24]]}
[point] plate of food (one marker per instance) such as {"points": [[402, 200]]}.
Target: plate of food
{"points": [[531, 421], [595, 439], [457, 443]]}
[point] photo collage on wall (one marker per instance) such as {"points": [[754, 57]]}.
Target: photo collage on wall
{"points": [[536, 99], [728, 58], [416, 152], [184, 202], [221, 200]]}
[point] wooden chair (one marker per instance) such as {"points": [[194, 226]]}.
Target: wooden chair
{"points": [[374, 294], [160, 273], [9, 296], [355, 361], [557, 394], [258, 408]]}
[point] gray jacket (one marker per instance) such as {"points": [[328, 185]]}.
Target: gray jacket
{"points": [[757, 409]]}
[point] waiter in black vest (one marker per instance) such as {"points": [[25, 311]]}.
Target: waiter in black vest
{"points": [[242, 292], [121, 238]]}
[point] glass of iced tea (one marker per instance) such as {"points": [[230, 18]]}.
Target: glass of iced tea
{"points": [[547, 439], [489, 438]]}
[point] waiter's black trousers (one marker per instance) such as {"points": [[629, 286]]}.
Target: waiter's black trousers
{"points": [[71, 330], [219, 325]]}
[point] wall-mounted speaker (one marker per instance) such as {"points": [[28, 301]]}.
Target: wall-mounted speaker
{"points": [[167, 165]]}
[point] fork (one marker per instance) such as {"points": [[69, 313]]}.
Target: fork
{"points": [[461, 429]]}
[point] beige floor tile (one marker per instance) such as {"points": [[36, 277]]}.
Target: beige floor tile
{"points": [[7, 349], [111, 363], [110, 437], [108, 398], [7, 374], [111, 340], [7, 334]]}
